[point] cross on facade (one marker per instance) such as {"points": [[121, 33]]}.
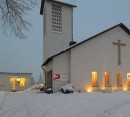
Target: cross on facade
{"points": [[119, 44]]}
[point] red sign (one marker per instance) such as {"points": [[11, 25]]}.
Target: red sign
{"points": [[57, 77]]}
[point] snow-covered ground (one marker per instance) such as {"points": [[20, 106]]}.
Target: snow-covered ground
{"points": [[2, 98], [95, 104]]}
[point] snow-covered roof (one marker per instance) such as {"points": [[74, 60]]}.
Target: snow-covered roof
{"points": [[69, 48], [14, 73]]}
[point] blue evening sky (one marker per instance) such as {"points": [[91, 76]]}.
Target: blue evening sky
{"points": [[90, 18]]}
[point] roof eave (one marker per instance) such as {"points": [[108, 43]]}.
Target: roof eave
{"points": [[42, 6], [43, 1]]}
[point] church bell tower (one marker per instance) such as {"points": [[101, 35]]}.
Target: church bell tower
{"points": [[58, 26]]}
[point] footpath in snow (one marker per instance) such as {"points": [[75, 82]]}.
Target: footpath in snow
{"points": [[95, 104], [2, 98]]}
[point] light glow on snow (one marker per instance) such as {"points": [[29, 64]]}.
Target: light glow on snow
{"points": [[125, 88], [89, 89], [103, 88]]}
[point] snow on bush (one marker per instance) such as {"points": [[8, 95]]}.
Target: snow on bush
{"points": [[68, 88], [36, 87], [48, 90]]}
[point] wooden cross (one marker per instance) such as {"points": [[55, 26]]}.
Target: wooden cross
{"points": [[119, 44]]}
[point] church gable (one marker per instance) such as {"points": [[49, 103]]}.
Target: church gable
{"points": [[122, 27], [107, 53], [103, 45]]}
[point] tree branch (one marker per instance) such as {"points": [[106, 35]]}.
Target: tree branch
{"points": [[11, 16]]}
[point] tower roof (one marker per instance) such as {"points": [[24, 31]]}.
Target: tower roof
{"points": [[57, 1]]}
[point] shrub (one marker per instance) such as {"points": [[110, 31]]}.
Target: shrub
{"points": [[66, 89]]}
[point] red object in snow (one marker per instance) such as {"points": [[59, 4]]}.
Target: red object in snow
{"points": [[57, 77]]}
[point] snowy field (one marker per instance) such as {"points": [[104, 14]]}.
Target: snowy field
{"points": [[95, 104]]}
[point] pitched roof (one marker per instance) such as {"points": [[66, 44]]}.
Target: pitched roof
{"points": [[14, 73], [121, 25], [43, 1]]}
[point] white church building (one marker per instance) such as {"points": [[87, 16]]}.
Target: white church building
{"points": [[97, 63]]}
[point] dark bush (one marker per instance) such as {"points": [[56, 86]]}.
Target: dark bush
{"points": [[41, 88], [66, 91]]}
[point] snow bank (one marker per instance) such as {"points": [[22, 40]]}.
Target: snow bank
{"points": [[36, 88]]}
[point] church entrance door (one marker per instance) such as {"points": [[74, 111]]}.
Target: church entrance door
{"points": [[49, 79]]}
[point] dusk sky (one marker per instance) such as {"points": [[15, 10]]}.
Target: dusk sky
{"points": [[90, 17]]}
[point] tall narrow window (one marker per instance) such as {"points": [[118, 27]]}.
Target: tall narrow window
{"points": [[94, 79], [107, 79], [119, 79], [22, 82], [56, 17], [128, 79]]}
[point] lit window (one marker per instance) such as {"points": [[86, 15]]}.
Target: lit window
{"points": [[13, 83], [18, 81], [56, 17], [94, 79], [128, 79], [22, 82], [107, 79], [119, 79]]}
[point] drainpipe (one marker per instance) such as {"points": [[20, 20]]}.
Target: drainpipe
{"points": [[44, 73]]}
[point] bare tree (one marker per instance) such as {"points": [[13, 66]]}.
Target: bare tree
{"points": [[12, 16]]}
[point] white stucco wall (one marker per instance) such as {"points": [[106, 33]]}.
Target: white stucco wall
{"points": [[100, 55], [61, 65], [49, 66], [57, 41], [5, 81]]}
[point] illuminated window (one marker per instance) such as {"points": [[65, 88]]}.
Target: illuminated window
{"points": [[18, 81], [119, 79], [56, 17], [22, 82], [94, 79], [107, 79], [128, 79], [13, 84]]}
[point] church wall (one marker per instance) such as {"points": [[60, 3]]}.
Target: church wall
{"points": [[49, 66], [57, 41], [61, 65], [48, 69], [100, 55]]}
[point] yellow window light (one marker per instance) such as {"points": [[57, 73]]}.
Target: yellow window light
{"points": [[22, 82], [18, 79], [94, 79]]}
